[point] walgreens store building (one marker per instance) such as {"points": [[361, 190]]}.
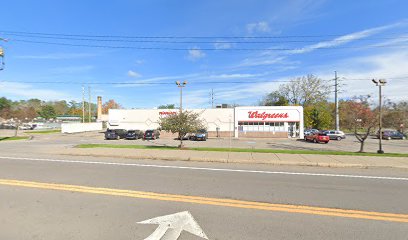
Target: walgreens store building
{"points": [[239, 122]]}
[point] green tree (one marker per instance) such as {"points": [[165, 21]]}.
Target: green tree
{"points": [[275, 98], [182, 123], [47, 112], [167, 106], [318, 116]]}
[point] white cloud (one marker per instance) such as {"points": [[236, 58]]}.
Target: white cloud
{"points": [[23, 90], [133, 74], [222, 45], [259, 27], [236, 75], [195, 54], [347, 38], [358, 72]]}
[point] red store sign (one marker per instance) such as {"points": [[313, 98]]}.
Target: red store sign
{"points": [[167, 113], [265, 115]]}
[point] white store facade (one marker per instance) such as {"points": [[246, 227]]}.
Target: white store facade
{"points": [[238, 122]]}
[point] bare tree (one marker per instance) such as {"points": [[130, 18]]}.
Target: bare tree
{"points": [[305, 90]]}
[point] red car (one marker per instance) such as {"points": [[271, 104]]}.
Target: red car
{"points": [[317, 137]]}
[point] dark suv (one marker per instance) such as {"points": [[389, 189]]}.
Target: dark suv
{"points": [[151, 134], [111, 134], [121, 133], [388, 135], [134, 134]]}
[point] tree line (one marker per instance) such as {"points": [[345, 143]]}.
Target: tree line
{"points": [[27, 110], [314, 93]]}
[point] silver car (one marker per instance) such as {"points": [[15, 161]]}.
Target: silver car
{"points": [[335, 135]]}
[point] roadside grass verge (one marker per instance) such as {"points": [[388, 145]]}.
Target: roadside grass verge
{"points": [[43, 131], [242, 150], [12, 138]]}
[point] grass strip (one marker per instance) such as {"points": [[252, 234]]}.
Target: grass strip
{"points": [[43, 131], [243, 150], [12, 138]]}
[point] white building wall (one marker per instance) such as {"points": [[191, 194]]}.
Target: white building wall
{"points": [[144, 119], [80, 127]]}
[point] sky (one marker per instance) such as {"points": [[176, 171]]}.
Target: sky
{"points": [[134, 51]]}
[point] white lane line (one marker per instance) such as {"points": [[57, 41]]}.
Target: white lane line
{"points": [[204, 168]]}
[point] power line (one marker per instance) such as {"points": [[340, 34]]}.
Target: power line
{"points": [[171, 39], [181, 37], [207, 49]]}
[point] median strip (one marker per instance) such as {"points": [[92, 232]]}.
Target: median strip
{"points": [[334, 212], [214, 149]]}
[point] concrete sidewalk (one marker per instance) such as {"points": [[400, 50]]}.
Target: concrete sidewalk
{"points": [[243, 157]]}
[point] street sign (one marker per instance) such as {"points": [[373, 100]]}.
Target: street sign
{"points": [[171, 226]]}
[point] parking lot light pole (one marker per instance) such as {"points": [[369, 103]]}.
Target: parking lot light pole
{"points": [[181, 85], [380, 83]]}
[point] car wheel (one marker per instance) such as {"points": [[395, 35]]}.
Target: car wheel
{"points": [[338, 138]]}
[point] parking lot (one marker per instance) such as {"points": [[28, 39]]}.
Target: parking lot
{"points": [[349, 144]]}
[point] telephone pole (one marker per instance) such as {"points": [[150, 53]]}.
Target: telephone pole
{"points": [[336, 100], [89, 103], [83, 104], [212, 97]]}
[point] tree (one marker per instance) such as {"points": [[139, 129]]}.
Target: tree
{"points": [[318, 116], [167, 106], [357, 115], [274, 98], [305, 90], [47, 112], [111, 104], [182, 123]]}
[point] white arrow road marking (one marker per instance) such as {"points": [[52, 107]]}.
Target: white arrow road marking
{"points": [[171, 226]]}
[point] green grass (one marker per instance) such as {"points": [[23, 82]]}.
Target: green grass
{"points": [[44, 131], [12, 138], [243, 150]]}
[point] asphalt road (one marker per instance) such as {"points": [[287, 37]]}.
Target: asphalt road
{"points": [[62, 198]]}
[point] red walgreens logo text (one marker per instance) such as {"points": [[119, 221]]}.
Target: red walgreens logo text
{"points": [[265, 115], [167, 113]]}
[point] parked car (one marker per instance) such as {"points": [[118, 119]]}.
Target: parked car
{"points": [[111, 134], [310, 131], [201, 134], [317, 137], [134, 134], [151, 134], [390, 134], [121, 133], [335, 135]]}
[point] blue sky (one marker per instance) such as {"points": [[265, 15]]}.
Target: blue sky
{"points": [[359, 39]]}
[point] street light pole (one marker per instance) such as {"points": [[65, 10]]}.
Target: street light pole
{"points": [[181, 85], [380, 83]]}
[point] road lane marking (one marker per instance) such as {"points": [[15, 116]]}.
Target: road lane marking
{"points": [[334, 212], [206, 169]]}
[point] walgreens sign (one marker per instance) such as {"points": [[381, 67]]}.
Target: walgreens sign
{"points": [[268, 115], [265, 115]]}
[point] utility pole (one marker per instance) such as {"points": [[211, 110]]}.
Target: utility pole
{"points": [[83, 104], [89, 103], [2, 54], [212, 97], [336, 101]]}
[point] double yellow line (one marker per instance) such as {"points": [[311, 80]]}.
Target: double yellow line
{"points": [[392, 217]]}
